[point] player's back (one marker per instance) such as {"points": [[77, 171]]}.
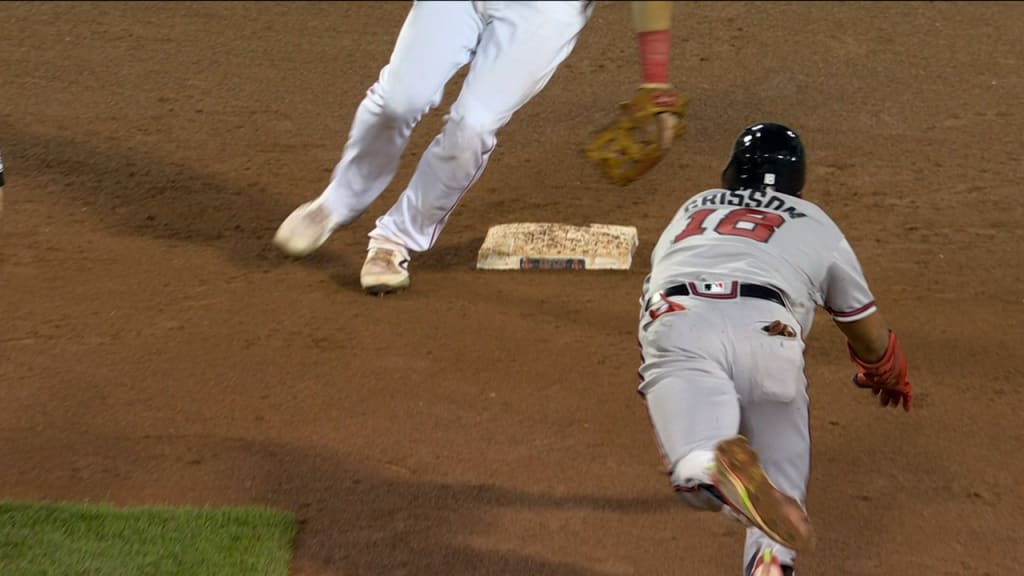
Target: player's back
{"points": [[760, 237]]}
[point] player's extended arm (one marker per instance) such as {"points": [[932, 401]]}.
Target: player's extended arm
{"points": [[652, 22], [880, 361], [648, 125], [868, 337]]}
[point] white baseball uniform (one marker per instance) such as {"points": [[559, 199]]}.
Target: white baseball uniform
{"points": [[513, 47], [730, 263]]}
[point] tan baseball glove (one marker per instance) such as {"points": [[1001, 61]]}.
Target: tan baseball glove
{"points": [[646, 128]]}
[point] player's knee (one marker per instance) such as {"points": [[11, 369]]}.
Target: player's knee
{"points": [[465, 142], [403, 110], [400, 107], [692, 482]]}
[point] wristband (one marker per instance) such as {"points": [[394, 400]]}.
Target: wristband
{"points": [[655, 47]]}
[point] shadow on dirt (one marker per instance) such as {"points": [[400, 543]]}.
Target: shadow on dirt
{"points": [[132, 189], [354, 516]]}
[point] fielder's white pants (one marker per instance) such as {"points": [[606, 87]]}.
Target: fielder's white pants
{"points": [[709, 372], [514, 48]]}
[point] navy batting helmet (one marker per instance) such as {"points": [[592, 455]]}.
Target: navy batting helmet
{"points": [[766, 156]]}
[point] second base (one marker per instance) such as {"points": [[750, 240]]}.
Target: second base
{"points": [[552, 246]]}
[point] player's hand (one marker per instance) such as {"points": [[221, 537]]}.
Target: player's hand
{"points": [[902, 394], [667, 125], [668, 119], [887, 378]]}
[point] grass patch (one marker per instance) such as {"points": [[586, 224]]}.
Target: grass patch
{"points": [[64, 539]]}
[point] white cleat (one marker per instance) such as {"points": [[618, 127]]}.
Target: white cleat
{"points": [[386, 269], [305, 229]]}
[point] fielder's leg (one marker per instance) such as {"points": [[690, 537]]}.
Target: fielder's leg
{"points": [[436, 40], [520, 48]]}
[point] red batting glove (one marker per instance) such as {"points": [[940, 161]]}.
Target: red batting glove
{"points": [[887, 378]]}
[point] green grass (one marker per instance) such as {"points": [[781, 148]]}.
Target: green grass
{"points": [[58, 539]]}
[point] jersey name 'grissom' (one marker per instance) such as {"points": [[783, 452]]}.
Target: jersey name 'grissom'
{"points": [[765, 238]]}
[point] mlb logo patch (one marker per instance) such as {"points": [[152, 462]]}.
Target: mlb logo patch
{"points": [[717, 287]]}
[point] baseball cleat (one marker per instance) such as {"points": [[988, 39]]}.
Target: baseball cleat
{"points": [[744, 487], [305, 229], [767, 564], [385, 270]]}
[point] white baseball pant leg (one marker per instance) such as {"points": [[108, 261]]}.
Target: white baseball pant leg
{"points": [[521, 46], [436, 39]]}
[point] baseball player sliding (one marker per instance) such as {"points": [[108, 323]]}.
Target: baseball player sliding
{"points": [[513, 49], [734, 284]]}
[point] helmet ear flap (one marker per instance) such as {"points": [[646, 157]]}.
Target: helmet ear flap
{"points": [[730, 176]]}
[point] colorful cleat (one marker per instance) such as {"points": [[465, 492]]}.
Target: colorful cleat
{"points": [[743, 486], [767, 564]]}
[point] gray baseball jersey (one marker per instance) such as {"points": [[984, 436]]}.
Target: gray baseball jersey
{"points": [[709, 370], [765, 238]]}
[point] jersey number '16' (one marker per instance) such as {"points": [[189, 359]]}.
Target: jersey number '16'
{"points": [[757, 225]]}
